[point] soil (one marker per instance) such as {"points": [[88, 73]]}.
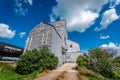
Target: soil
{"points": [[66, 71]]}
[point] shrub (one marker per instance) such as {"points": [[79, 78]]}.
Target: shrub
{"points": [[81, 61], [96, 60], [36, 59]]}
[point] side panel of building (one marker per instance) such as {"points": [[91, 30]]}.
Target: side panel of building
{"points": [[73, 51], [46, 35], [71, 57], [61, 29], [56, 47], [41, 35]]}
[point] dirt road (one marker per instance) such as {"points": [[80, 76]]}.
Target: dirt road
{"points": [[65, 72]]}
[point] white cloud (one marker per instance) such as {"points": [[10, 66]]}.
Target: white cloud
{"points": [[114, 3], [20, 8], [82, 21], [21, 11], [117, 2], [5, 32], [104, 37], [22, 34], [30, 2], [52, 18], [108, 17], [111, 46], [79, 14]]}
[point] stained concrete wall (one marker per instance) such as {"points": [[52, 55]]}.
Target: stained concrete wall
{"points": [[55, 36], [61, 29], [40, 35], [45, 34], [56, 46], [73, 51]]}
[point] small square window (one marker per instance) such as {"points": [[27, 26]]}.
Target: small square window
{"points": [[70, 46]]}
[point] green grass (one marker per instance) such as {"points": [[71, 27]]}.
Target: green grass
{"points": [[7, 72], [91, 75]]}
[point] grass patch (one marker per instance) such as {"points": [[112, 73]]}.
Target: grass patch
{"points": [[85, 74], [7, 72]]}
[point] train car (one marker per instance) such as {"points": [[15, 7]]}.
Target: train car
{"points": [[8, 50]]}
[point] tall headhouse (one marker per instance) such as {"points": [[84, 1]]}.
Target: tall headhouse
{"points": [[53, 35]]}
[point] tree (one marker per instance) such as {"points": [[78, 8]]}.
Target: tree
{"points": [[36, 59], [98, 62], [103, 61], [116, 67], [81, 61]]}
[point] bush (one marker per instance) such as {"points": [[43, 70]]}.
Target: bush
{"points": [[36, 59], [116, 62], [86, 74], [96, 60], [81, 61]]}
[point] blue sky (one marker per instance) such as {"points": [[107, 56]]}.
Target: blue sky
{"points": [[91, 23]]}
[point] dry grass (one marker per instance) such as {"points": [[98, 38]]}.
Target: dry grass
{"points": [[43, 73], [60, 76], [82, 77], [85, 74], [12, 63], [85, 71]]}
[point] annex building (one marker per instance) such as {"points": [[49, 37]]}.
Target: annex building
{"points": [[54, 35], [10, 52]]}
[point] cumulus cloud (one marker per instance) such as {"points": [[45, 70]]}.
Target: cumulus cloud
{"points": [[117, 2], [111, 46], [104, 37], [114, 3], [5, 32], [52, 18], [79, 14], [22, 34], [30, 2], [108, 17], [20, 8]]}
